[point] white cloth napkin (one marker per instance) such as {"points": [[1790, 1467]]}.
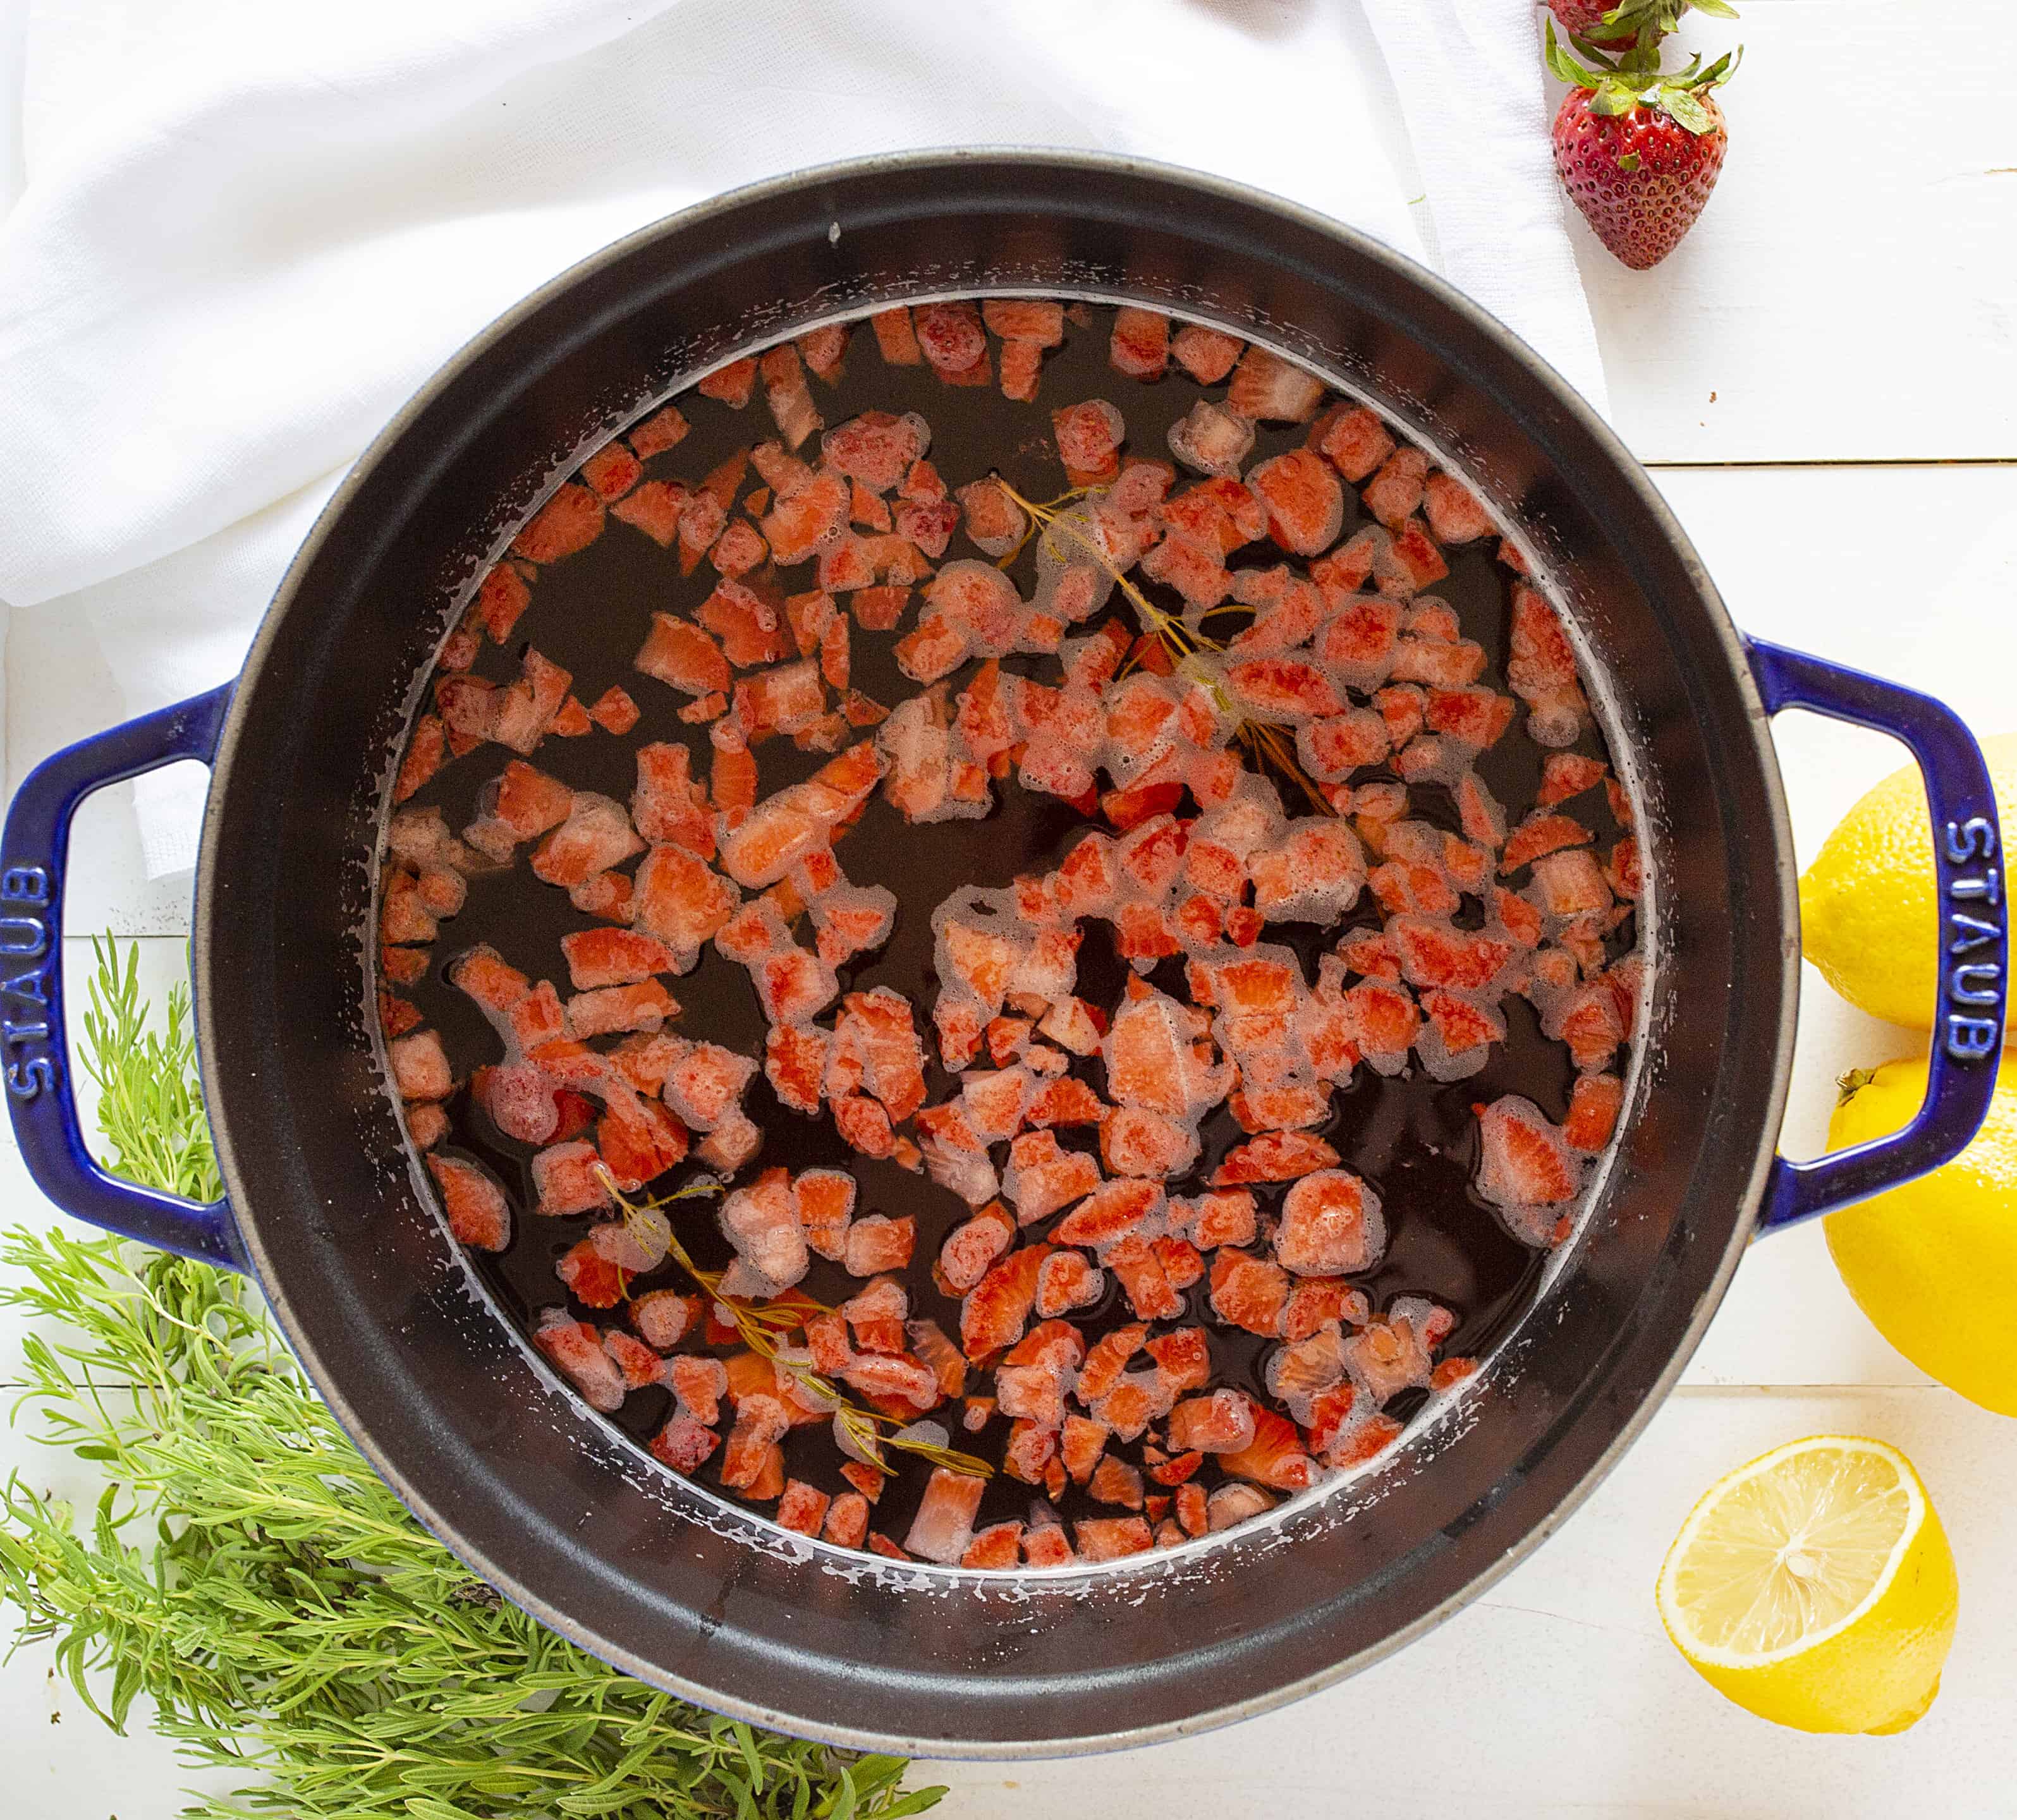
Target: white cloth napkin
{"points": [[250, 231]]}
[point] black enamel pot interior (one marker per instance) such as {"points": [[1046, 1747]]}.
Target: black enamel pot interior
{"points": [[554, 1507]]}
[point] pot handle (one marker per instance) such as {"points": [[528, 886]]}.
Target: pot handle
{"points": [[36, 1061], [1967, 1042]]}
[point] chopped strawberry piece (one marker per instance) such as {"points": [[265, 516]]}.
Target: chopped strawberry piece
{"points": [[1110, 1212], [679, 653], [789, 398], [822, 1202], [877, 1243], [571, 521], [1206, 354], [1331, 1225], [994, 1313], [803, 1507], [478, 1214], [1594, 1104], [1221, 1423], [895, 338], [576, 1349], [1139, 346], [950, 335], [420, 1067], [1089, 436], [823, 350], [1282, 689], [1110, 1538], [1115, 1481], [1305, 504], [591, 1279], [942, 1528], [1275, 1156], [1248, 1292], [1274, 1456], [1268, 389], [733, 385], [1039, 320], [1524, 1161]]}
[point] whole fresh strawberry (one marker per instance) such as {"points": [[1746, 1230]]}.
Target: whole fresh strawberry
{"points": [[1638, 151], [1617, 24]]}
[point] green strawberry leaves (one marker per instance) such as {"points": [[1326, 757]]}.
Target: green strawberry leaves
{"points": [[1622, 85]]}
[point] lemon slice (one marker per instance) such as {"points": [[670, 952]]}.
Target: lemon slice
{"points": [[1814, 1587]]}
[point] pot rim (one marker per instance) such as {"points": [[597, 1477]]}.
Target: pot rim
{"points": [[1580, 419]]}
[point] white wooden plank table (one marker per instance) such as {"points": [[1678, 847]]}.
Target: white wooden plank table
{"points": [[1825, 379]]}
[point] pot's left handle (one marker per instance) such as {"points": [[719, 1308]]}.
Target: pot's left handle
{"points": [[1973, 952], [32, 1033]]}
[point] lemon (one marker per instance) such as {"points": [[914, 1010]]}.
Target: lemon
{"points": [[1869, 914], [1934, 1264], [1814, 1587]]}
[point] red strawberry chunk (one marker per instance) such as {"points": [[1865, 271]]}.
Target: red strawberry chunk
{"points": [[803, 1507], [971, 1249], [876, 1242], [679, 653], [1305, 504], [950, 335], [1267, 389], [760, 1424], [943, 1529], [478, 1214], [1274, 1456], [1538, 834], [1221, 1423], [576, 1350], [644, 1006], [1594, 1104], [1065, 1281], [1566, 774], [1211, 440], [823, 1200], [1135, 1141], [571, 521], [994, 1313], [1040, 320], [1275, 1156], [1110, 1538], [1110, 1212], [1089, 436], [895, 338], [1043, 1176], [591, 1278], [1331, 1225], [1571, 883], [1282, 689], [847, 1518], [1455, 514], [1434, 953], [1524, 1161], [1356, 442], [680, 899], [420, 1067], [1206, 354], [596, 836], [998, 1545], [789, 397], [1247, 1291]]}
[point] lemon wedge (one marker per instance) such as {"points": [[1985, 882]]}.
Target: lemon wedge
{"points": [[1814, 1587]]}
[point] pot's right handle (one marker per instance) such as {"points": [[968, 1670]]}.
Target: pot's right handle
{"points": [[37, 1053], [1968, 863]]}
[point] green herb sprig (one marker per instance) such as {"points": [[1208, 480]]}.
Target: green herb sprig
{"points": [[246, 1570], [757, 1323]]}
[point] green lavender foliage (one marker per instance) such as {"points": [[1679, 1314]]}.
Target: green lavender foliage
{"points": [[248, 1573]]}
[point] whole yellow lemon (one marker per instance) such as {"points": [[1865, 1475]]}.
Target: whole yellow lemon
{"points": [[1934, 1264], [1869, 916]]}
